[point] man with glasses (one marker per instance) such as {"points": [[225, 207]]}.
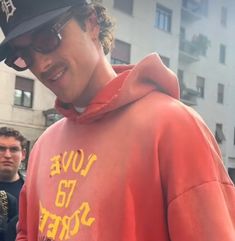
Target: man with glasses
{"points": [[129, 161], [12, 152]]}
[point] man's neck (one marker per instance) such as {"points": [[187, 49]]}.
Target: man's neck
{"points": [[4, 178]]}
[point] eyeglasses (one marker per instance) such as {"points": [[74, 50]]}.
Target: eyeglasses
{"points": [[45, 41], [12, 149]]}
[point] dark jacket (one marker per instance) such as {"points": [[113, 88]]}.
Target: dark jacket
{"points": [[8, 210]]}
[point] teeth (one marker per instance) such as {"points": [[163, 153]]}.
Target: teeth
{"points": [[57, 76]]}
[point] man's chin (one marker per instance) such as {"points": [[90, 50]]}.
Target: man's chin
{"points": [[8, 174]]}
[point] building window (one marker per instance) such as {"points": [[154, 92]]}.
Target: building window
{"points": [[231, 173], [51, 116], [219, 134], [125, 6], [204, 7], [220, 94], [163, 18], [24, 163], [165, 60], [121, 52], [196, 6], [223, 17], [182, 33], [200, 85], [23, 95], [234, 136], [222, 54], [180, 75]]}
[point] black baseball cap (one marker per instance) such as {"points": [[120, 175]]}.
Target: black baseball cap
{"points": [[18, 17]]}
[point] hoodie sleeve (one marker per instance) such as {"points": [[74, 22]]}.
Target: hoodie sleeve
{"points": [[205, 212], [200, 195], [21, 228]]}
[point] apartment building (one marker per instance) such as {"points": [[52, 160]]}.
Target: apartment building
{"points": [[195, 38]]}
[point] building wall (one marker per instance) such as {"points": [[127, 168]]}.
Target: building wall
{"points": [[139, 30], [30, 121]]}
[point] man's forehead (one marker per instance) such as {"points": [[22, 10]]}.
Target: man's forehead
{"points": [[9, 140]]}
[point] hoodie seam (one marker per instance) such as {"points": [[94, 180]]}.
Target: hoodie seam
{"points": [[197, 186]]}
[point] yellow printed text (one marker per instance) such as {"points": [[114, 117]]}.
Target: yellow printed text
{"points": [[65, 227], [65, 192], [74, 161]]}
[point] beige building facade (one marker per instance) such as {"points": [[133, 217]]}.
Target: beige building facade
{"points": [[23, 102]]}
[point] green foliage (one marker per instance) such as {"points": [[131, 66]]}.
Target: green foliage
{"points": [[201, 44]]}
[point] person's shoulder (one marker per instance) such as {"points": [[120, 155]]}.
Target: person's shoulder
{"points": [[160, 105]]}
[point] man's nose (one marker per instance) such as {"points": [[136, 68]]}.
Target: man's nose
{"points": [[7, 153], [41, 62]]}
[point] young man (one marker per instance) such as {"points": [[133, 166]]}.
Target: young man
{"points": [[129, 162], [12, 152]]}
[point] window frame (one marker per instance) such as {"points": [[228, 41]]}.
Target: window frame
{"points": [[166, 60], [222, 54], [234, 136], [163, 18], [23, 86], [220, 93], [224, 16], [121, 53], [200, 86], [219, 134], [123, 7]]}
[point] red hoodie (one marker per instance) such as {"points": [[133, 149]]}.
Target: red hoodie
{"points": [[137, 165]]}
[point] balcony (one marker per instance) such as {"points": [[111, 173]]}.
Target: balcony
{"points": [[189, 96], [188, 52], [51, 116], [191, 10]]}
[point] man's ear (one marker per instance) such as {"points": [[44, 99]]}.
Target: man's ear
{"points": [[93, 27], [23, 154]]}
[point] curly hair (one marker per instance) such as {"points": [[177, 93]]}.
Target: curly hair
{"points": [[10, 132], [104, 21]]}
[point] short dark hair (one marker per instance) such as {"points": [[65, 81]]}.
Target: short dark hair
{"points": [[103, 19], [10, 132]]}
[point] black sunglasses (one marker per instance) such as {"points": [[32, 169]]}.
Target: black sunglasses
{"points": [[46, 40]]}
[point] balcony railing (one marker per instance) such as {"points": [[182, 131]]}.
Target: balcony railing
{"points": [[51, 116], [189, 96], [191, 10], [188, 51]]}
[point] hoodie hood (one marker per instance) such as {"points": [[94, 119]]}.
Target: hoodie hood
{"points": [[132, 83]]}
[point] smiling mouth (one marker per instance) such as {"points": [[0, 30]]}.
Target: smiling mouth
{"points": [[54, 73], [57, 76]]}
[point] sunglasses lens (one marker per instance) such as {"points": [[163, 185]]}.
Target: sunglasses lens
{"points": [[20, 63], [45, 41], [19, 59]]}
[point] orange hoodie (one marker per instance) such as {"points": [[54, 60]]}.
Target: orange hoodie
{"points": [[137, 165]]}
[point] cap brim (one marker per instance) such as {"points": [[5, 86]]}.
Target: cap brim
{"points": [[28, 26]]}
